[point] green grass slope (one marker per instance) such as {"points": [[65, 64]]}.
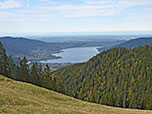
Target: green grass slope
{"points": [[22, 98]]}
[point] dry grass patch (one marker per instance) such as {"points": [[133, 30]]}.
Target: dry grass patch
{"points": [[22, 98]]}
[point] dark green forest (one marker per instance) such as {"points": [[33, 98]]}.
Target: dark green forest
{"points": [[34, 73], [118, 77]]}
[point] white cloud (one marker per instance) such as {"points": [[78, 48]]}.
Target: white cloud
{"points": [[6, 4], [61, 10], [92, 7]]}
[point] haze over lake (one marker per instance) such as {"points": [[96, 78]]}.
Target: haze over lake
{"points": [[74, 55]]}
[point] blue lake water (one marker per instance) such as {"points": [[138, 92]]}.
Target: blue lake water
{"points": [[74, 55]]}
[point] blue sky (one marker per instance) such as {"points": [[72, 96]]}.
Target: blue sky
{"points": [[49, 16]]}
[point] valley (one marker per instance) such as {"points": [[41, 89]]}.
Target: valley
{"points": [[75, 56], [119, 77], [47, 49], [36, 50]]}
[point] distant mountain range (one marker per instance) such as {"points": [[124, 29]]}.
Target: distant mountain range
{"points": [[36, 50]]}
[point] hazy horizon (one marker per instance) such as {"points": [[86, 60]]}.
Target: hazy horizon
{"points": [[110, 33]]}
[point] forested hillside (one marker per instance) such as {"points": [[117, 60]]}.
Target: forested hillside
{"points": [[23, 98], [117, 77]]}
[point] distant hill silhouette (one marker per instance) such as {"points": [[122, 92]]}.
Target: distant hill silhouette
{"points": [[33, 49], [22, 44], [136, 42], [131, 43]]}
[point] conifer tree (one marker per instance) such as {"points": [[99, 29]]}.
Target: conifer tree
{"points": [[3, 61], [23, 70], [12, 68]]}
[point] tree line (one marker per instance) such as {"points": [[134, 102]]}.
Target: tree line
{"points": [[34, 73]]}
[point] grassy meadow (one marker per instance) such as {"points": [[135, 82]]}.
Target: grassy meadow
{"points": [[23, 98]]}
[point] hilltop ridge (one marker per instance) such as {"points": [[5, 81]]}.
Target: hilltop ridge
{"points": [[136, 42]]}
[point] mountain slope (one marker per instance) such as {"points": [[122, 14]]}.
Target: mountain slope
{"points": [[22, 98], [131, 43], [118, 77], [136, 42]]}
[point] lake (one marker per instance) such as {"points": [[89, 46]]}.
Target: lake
{"points": [[74, 55]]}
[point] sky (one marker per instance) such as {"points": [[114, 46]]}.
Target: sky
{"points": [[51, 16]]}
